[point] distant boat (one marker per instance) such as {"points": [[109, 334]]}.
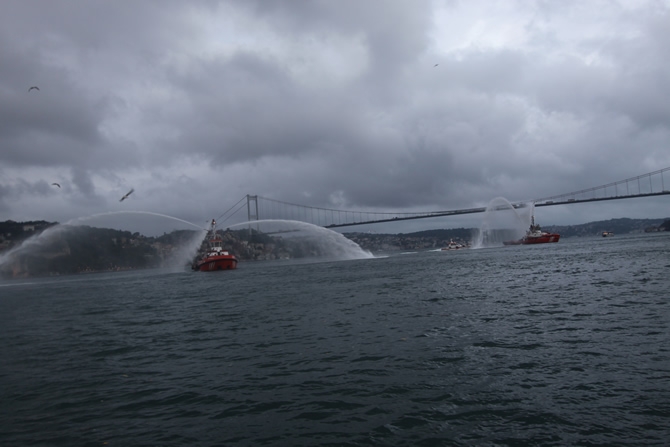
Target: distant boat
{"points": [[212, 256], [454, 246], [535, 235], [607, 234]]}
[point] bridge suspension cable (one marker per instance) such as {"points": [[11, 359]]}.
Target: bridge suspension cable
{"points": [[229, 213], [633, 187], [327, 217], [263, 208]]}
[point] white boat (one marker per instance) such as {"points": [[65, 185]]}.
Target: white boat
{"points": [[454, 245]]}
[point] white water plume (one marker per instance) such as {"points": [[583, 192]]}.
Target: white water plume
{"points": [[180, 257], [109, 220], [304, 240], [34, 243], [502, 222], [48, 242], [186, 253]]}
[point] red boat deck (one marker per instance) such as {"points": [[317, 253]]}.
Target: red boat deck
{"points": [[213, 257], [220, 262], [535, 235]]}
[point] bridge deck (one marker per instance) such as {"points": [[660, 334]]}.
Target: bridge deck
{"points": [[483, 209]]}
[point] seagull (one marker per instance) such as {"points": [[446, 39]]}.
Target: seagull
{"points": [[126, 196], [435, 65], [56, 184], [34, 87]]}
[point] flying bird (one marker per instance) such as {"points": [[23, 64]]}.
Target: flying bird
{"points": [[435, 65], [34, 87], [56, 184], [126, 196]]}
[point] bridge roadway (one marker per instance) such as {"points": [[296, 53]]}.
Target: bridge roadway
{"points": [[515, 205]]}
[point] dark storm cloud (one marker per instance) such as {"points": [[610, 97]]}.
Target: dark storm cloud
{"points": [[82, 180], [327, 103], [248, 108], [53, 125], [24, 186]]}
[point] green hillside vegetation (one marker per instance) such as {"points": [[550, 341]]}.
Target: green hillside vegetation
{"points": [[433, 239], [617, 226], [82, 249]]}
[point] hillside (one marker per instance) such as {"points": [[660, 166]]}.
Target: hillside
{"points": [[439, 238], [82, 249], [617, 226]]}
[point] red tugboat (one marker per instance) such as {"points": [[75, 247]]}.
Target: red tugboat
{"points": [[535, 235], [212, 256]]}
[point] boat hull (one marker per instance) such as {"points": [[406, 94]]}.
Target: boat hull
{"points": [[529, 240], [449, 248], [215, 263]]}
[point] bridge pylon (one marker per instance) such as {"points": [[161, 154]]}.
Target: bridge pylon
{"points": [[646, 185], [252, 210]]}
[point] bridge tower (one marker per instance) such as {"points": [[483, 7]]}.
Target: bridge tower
{"points": [[252, 210]]}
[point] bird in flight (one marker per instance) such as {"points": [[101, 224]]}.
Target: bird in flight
{"points": [[435, 65], [126, 196], [34, 87], [56, 184]]}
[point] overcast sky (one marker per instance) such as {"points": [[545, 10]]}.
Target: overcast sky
{"points": [[375, 105]]}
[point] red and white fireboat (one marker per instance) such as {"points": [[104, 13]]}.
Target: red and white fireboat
{"points": [[535, 235], [212, 256]]}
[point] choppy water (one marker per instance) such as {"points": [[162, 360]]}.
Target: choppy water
{"points": [[561, 344]]}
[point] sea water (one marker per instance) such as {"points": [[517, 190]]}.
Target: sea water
{"points": [[556, 344]]}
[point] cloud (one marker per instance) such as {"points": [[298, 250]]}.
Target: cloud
{"points": [[330, 104]]}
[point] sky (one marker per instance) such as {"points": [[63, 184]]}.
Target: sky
{"points": [[380, 105]]}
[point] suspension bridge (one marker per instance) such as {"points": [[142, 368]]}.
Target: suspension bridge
{"points": [[262, 208]]}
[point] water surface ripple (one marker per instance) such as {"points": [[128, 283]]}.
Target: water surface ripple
{"points": [[562, 344]]}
